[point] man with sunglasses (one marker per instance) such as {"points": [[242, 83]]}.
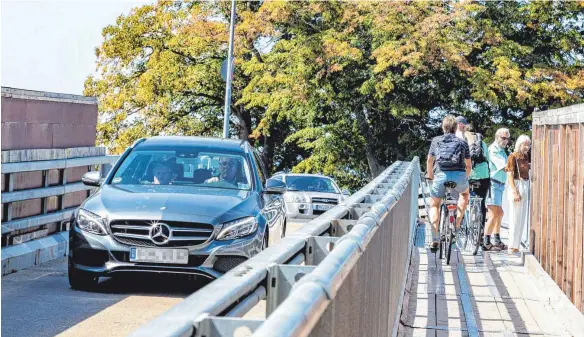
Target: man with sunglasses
{"points": [[497, 164], [227, 171]]}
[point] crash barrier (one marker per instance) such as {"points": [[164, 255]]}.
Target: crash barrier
{"points": [[41, 188], [342, 274]]}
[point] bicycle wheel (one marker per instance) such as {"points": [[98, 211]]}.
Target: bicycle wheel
{"points": [[477, 226], [463, 238], [441, 229], [448, 242]]}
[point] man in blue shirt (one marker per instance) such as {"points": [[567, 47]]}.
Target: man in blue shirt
{"points": [[448, 160], [497, 163]]}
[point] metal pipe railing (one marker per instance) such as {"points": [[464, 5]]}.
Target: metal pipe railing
{"points": [[233, 293], [290, 318]]}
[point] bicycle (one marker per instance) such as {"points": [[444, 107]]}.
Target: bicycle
{"points": [[472, 225], [447, 224]]}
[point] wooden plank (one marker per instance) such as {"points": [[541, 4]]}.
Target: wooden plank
{"points": [[571, 216], [559, 277], [553, 202], [533, 190], [582, 211], [536, 194], [544, 188], [579, 238], [547, 204], [568, 236]]}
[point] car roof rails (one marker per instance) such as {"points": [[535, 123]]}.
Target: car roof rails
{"points": [[138, 142]]}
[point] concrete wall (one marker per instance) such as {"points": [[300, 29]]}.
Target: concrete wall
{"points": [[42, 120], [45, 120]]}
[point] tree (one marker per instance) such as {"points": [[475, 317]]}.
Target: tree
{"points": [[340, 88]]}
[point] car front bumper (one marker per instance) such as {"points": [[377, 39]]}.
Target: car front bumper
{"points": [[303, 210], [104, 256]]}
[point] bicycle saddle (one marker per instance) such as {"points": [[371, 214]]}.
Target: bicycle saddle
{"points": [[474, 184], [450, 184]]}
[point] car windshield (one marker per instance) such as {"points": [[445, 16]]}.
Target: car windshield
{"points": [[310, 184], [185, 167]]}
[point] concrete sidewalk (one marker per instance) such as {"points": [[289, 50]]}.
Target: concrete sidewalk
{"points": [[490, 294]]}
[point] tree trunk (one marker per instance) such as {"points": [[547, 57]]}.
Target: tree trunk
{"points": [[268, 153], [244, 123], [374, 167]]}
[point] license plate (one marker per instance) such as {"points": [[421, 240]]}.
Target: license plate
{"points": [[321, 207], [159, 255]]}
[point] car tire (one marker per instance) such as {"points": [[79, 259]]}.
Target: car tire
{"points": [[82, 280], [265, 242], [283, 229]]}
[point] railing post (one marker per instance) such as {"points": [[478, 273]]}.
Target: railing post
{"points": [[63, 182], [45, 200], [8, 205]]}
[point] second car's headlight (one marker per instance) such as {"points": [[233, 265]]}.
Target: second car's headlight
{"points": [[238, 228], [297, 198], [90, 222]]}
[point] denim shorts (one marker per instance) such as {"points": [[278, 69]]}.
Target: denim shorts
{"points": [[459, 177], [495, 197]]}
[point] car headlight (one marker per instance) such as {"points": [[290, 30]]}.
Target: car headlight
{"points": [[297, 198], [238, 228], [90, 222]]}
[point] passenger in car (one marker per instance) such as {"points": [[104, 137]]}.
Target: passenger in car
{"points": [[228, 171]]}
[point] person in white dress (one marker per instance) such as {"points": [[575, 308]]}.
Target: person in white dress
{"points": [[518, 194]]}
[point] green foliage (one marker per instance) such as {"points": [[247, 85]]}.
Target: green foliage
{"points": [[340, 88]]}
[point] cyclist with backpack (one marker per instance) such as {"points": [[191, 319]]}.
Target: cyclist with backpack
{"points": [[448, 160], [479, 156]]}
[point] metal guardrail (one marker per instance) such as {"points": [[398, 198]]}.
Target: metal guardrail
{"points": [[375, 224], [11, 196], [39, 238]]}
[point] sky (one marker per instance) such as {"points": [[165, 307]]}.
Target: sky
{"points": [[49, 45]]}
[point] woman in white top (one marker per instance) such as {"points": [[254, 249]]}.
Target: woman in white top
{"points": [[518, 194]]}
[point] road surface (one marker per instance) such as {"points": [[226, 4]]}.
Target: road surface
{"points": [[39, 302]]}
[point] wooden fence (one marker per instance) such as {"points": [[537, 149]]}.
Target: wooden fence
{"points": [[557, 197]]}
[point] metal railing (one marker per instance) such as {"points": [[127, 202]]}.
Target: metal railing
{"points": [[64, 187], [355, 259], [24, 237]]}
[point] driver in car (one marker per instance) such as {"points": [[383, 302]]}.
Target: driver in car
{"points": [[162, 174], [227, 171]]}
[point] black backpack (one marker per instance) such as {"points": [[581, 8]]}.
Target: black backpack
{"points": [[477, 154], [449, 156]]}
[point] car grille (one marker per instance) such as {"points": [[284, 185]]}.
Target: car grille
{"points": [[329, 201], [226, 263], [182, 234]]}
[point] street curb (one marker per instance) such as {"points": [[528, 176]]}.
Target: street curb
{"points": [[34, 253]]}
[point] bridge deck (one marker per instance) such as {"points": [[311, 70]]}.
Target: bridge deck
{"points": [[490, 294]]}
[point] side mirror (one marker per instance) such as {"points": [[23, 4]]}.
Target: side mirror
{"points": [[92, 178], [346, 192], [275, 186]]}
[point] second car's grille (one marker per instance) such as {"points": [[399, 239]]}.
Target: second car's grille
{"points": [[160, 233], [329, 201]]}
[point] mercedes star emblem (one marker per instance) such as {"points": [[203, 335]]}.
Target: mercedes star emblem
{"points": [[160, 233]]}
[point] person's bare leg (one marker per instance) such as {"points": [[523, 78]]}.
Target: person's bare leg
{"points": [[497, 230], [493, 216], [435, 215], [462, 204]]}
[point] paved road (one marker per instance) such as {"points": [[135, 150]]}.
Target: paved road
{"points": [[39, 302]]}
